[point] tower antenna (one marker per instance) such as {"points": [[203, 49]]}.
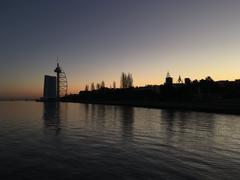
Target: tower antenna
{"points": [[58, 71], [62, 85]]}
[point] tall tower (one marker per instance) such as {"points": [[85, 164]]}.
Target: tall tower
{"points": [[58, 71]]}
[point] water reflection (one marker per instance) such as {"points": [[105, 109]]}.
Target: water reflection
{"points": [[93, 112], [127, 120], [86, 110], [51, 116], [184, 127], [116, 142], [168, 116], [101, 116]]}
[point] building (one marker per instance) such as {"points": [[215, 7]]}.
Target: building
{"points": [[168, 80], [50, 87]]}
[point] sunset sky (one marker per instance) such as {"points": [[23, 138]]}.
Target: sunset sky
{"points": [[96, 40]]}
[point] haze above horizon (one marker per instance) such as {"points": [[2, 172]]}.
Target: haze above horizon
{"points": [[98, 40]]}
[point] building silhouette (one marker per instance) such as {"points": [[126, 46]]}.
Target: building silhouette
{"points": [[169, 79], [55, 86], [49, 92]]}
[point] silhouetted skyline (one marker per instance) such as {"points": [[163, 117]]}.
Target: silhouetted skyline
{"points": [[98, 40]]}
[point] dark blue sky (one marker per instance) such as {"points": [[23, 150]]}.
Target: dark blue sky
{"points": [[98, 39]]}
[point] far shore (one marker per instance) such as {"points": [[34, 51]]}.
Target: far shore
{"points": [[212, 107]]}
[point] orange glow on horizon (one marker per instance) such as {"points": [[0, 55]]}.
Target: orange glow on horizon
{"points": [[37, 91]]}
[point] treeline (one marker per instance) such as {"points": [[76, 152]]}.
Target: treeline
{"points": [[108, 94], [204, 90], [126, 81]]}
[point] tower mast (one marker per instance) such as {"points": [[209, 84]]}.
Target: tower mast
{"points": [[58, 71]]}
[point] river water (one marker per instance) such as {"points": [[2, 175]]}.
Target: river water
{"points": [[73, 141]]}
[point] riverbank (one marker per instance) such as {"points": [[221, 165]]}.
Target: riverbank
{"points": [[229, 107]]}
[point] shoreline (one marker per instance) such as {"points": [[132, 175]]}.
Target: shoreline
{"points": [[209, 107]]}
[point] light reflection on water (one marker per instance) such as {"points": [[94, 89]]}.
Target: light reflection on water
{"points": [[66, 140]]}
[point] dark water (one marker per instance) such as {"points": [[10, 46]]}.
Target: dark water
{"points": [[73, 141]]}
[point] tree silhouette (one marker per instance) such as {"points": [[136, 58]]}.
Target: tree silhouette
{"points": [[86, 88], [114, 85], [126, 80], [208, 78], [92, 87], [98, 86], [123, 81], [102, 84], [130, 80]]}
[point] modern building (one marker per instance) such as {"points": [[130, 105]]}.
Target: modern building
{"points": [[50, 88]]}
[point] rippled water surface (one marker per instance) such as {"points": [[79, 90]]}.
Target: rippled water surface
{"points": [[72, 141]]}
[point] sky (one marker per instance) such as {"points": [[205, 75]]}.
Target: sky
{"points": [[97, 40]]}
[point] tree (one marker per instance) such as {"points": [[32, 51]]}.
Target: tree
{"points": [[208, 78], [123, 80], [129, 80], [92, 87], [114, 85], [98, 86], [126, 80], [102, 84], [86, 88]]}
